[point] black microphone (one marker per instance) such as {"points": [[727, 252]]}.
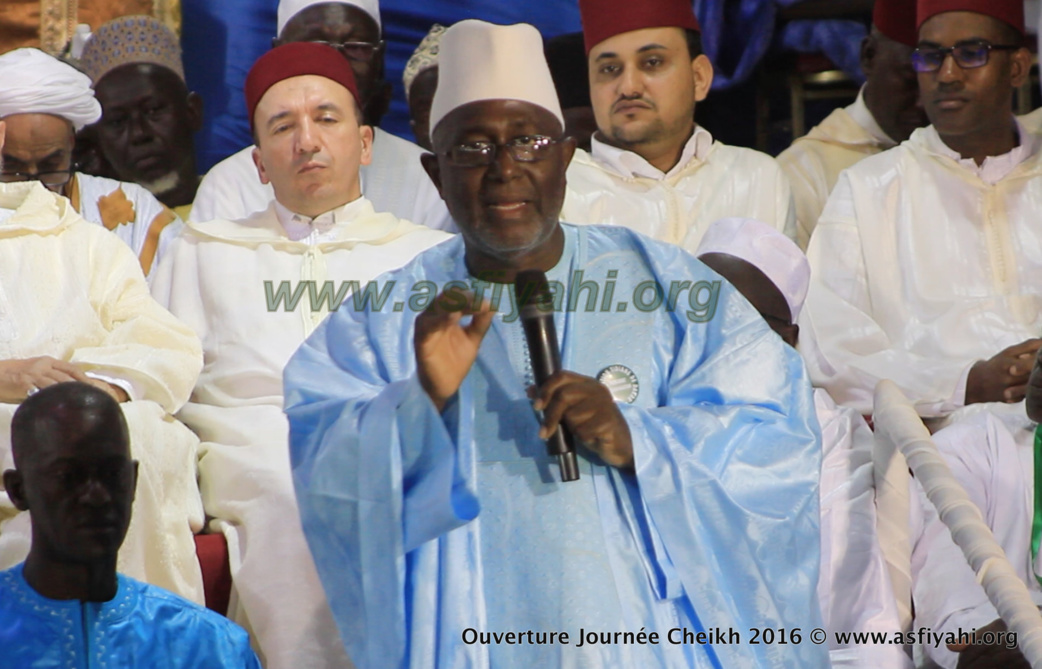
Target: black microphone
{"points": [[536, 305]]}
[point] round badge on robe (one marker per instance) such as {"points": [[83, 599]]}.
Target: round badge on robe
{"points": [[621, 382]]}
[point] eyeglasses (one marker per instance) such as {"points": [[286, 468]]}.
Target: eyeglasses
{"points": [[967, 55], [51, 179], [524, 149], [361, 52]]}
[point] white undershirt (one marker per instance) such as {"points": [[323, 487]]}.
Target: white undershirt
{"points": [[633, 165], [319, 229]]}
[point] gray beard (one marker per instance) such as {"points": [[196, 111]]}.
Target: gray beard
{"points": [[163, 184]]}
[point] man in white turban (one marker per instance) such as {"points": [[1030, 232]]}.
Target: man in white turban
{"points": [[74, 306], [394, 181], [44, 102], [854, 589]]}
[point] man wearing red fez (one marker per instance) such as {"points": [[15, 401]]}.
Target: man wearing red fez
{"points": [[394, 180], [253, 290], [885, 113], [651, 167], [925, 260]]}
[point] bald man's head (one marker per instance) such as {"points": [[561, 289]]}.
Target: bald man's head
{"points": [[73, 471]]}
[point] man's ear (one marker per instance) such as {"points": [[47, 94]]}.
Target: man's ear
{"points": [[868, 54], [702, 71], [15, 487], [568, 145], [3, 133], [430, 164], [195, 111], [365, 133], [1020, 67], [259, 162]]}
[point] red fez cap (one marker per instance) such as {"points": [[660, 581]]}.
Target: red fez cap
{"points": [[896, 20], [1010, 11], [607, 18], [294, 60]]}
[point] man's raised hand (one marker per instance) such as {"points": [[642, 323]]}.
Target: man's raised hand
{"points": [[445, 347]]}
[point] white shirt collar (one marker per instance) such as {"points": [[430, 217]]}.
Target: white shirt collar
{"points": [[320, 228], [632, 165], [6, 214], [994, 168], [861, 114]]}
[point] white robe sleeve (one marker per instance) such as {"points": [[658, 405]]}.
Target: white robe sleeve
{"points": [[984, 458], [848, 351], [145, 345]]}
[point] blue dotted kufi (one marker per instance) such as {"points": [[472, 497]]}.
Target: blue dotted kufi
{"points": [[131, 39]]}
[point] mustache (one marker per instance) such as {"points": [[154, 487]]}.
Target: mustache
{"points": [[627, 99], [949, 87]]}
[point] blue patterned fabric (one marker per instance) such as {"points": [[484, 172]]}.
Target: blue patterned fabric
{"points": [[142, 626]]}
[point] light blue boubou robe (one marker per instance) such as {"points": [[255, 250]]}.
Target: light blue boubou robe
{"points": [[429, 530]]}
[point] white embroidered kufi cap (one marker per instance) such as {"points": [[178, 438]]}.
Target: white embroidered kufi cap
{"points": [[767, 249], [483, 61]]}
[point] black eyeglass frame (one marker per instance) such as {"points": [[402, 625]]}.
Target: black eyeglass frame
{"points": [[920, 65], [345, 49], [489, 151], [22, 177]]}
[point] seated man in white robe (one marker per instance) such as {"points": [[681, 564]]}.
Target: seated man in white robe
{"points": [[886, 112], [652, 168], [434, 512], [924, 263], [994, 456], [254, 290], [74, 306], [854, 588], [44, 102], [394, 181]]}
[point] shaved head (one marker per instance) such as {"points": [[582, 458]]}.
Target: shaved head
{"points": [[42, 418], [74, 475]]}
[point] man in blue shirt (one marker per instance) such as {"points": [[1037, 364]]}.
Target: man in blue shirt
{"points": [[66, 605]]}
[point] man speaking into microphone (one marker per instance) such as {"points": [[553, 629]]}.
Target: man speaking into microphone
{"points": [[440, 525]]}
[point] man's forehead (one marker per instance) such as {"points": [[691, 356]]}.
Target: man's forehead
{"points": [[38, 129], [134, 82], [331, 22], [959, 26], [76, 436], [635, 41]]}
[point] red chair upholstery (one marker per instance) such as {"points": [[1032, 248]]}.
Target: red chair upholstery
{"points": [[212, 551]]}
